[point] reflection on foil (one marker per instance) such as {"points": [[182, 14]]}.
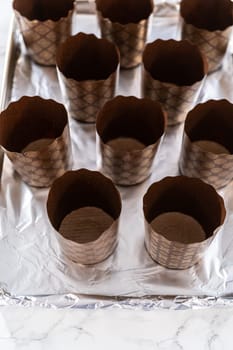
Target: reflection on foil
{"points": [[32, 269], [72, 301]]}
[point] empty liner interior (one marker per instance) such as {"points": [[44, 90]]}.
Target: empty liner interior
{"points": [[86, 57], [43, 10], [188, 196], [88, 190], [177, 62], [30, 119], [85, 224], [211, 121], [129, 117], [207, 14], [125, 11], [178, 227]]}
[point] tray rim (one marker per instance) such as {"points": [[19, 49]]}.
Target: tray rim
{"points": [[147, 303]]}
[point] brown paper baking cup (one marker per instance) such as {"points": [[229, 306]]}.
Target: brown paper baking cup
{"points": [[173, 75], [34, 134], [88, 71], [44, 26], [129, 132], [125, 22], [209, 122], [185, 196], [208, 24], [81, 189]]}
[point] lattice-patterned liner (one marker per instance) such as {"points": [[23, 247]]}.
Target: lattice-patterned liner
{"points": [[39, 169], [212, 44], [77, 189], [43, 38], [85, 98], [42, 166], [213, 121], [179, 91], [214, 169], [85, 93], [173, 255], [125, 116], [176, 100], [177, 191], [93, 252], [129, 38]]}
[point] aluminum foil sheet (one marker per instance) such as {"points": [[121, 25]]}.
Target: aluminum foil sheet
{"points": [[32, 269]]}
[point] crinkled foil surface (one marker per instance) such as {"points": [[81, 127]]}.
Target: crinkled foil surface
{"points": [[32, 269]]}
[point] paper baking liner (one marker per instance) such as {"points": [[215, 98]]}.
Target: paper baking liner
{"points": [[189, 196], [78, 189], [139, 119], [43, 37], [21, 124], [176, 84], [209, 26], [208, 121], [124, 27], [85, 93], [212, 44]]}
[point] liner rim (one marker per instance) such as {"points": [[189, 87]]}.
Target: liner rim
{"points": [[54, 139], [204, 60], [126, 24], [43, 149], [225, 26], [206, 30], [139, 151], [212, 154], [37, 21], [142, 21], [171, 85], [190, 116], [133, 98], [60, 47], [100, 81]]}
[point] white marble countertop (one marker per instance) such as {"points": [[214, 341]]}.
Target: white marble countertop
{"points": [[34, 329]]}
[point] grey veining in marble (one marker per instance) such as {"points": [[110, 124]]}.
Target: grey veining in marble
{"points": [[34, 329]]}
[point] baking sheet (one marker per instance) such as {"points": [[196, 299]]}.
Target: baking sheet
{"points": [[32, 269]]}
